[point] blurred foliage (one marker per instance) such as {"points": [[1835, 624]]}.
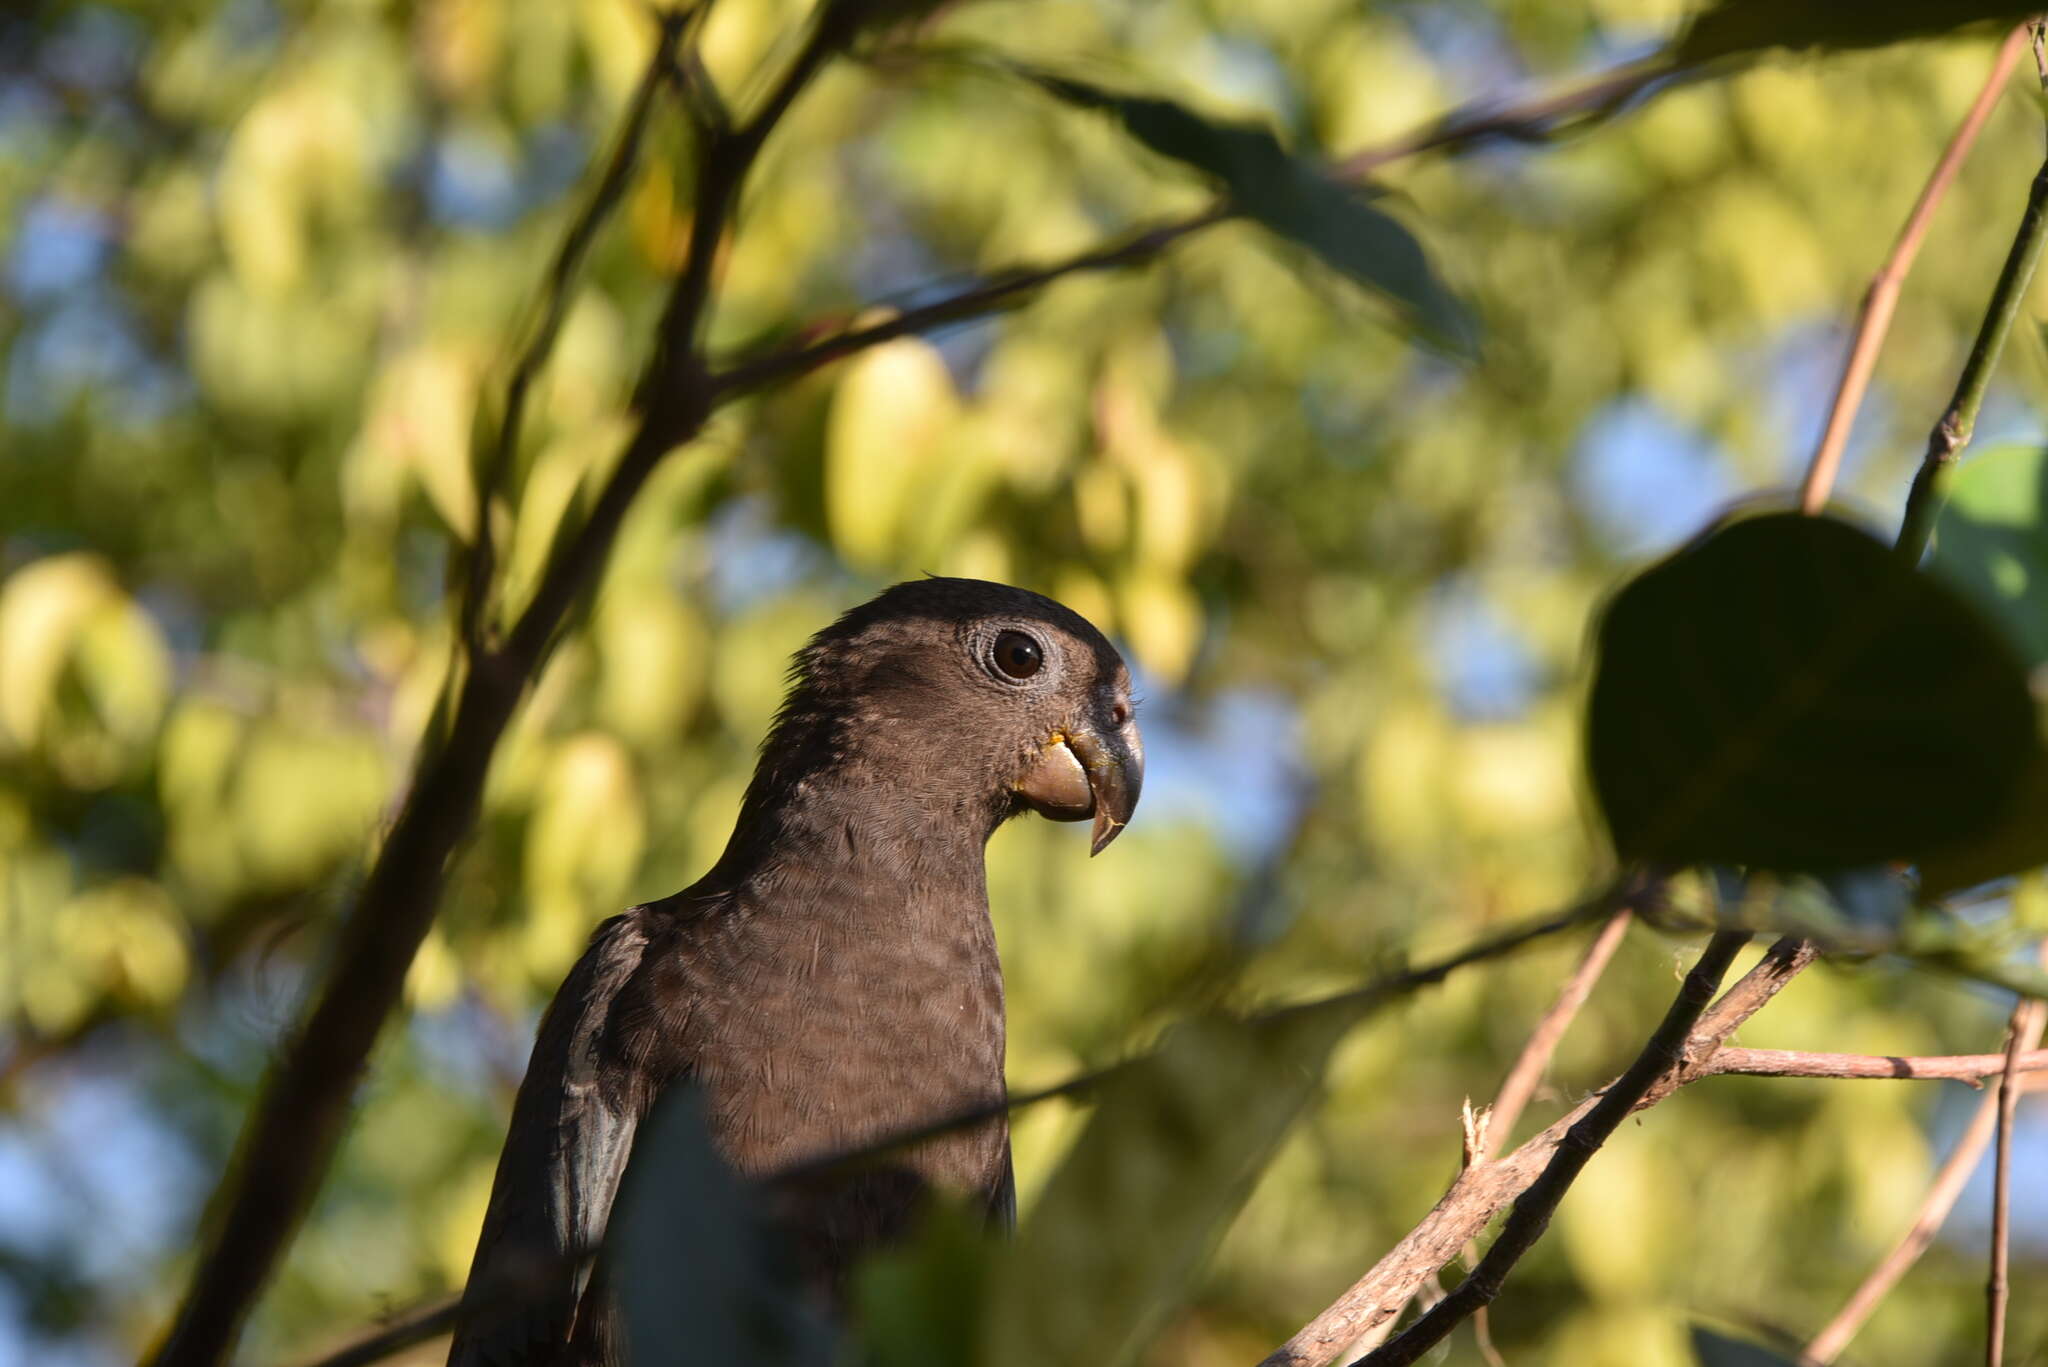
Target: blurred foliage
{"points": [[266, 260]]}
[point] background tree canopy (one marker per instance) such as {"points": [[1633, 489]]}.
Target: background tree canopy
{"points": [[265, 270]]}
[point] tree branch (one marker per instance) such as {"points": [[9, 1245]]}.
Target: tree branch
{"points": [[1483, 1190], [2026, 1026], [1952, 433], [289, 1142], [1530, 1064], [1661, 1057], [1533, 120], [1942, 1193], [1971, 1068], [533, 358]]}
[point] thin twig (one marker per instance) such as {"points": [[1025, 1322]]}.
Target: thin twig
{"points": [[1827, 1345], [413, 1327], [1480, 1192], [1971, 1068], [1497, 1123], [1533, 120], [1874, 319], [1529, 1066], [533, 358], [1662, 1056], [2026, 1022]]}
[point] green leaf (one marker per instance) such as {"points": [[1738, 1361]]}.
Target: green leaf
{"points": [[698, 1275], [1173, 1148], [1292, 197], [1742, 27], [1719, 1350], [920, 1305], [1992, 542], [1786, 694]]}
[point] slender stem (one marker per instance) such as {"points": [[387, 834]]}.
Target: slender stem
{"points": [[1483, 1190], [1834, 1336], [1953, 432], [1529, 1066], [1997, 1290], [1531, 1215], [1875, 317], [1733, 1061], [533, 357], [1472, 125]]}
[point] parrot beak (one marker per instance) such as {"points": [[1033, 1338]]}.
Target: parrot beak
{"points": [[1081, 773]]}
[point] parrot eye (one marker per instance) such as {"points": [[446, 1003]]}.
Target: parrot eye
{"points": [[1017, 655]]}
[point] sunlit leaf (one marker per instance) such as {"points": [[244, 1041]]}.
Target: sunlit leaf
{"points": [[1785, 694]]}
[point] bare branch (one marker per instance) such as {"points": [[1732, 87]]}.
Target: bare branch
{"points": [[1798, 1063], [1530, 1065], [1482, 1191], [561, 276], [1874, 319], [289, 1142], [1661, 1057], [1533, 120], [1942, 1192], [2026, 1025]]}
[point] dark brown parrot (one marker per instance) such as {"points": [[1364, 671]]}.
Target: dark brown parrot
{"points": [[834, 977]]}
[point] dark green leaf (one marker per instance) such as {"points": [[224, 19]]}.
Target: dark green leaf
{"points": [[1170, 1154], [1292, 197], [1785, 694], [1719, 1350], [1740, 27], [920, 1305], [698, 1273]]}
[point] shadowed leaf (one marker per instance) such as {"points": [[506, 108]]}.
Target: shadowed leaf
{"points": [[1740, 27], [1292, 197], [1719, 1350], [1785, 694]]}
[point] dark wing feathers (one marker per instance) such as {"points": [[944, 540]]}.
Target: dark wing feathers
{"points": [[572, 1129]]}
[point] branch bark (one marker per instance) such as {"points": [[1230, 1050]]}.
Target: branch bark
{"points": [[1942, 1193], [289, 1142], [1483, 1190], [1530, 1065], [1575, 1148], [2026, 1026]]}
